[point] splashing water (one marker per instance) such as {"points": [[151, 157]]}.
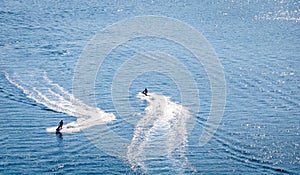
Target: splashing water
{"points": [[56, 98], [160, 138]]}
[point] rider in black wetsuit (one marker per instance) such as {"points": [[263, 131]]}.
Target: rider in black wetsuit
{"points": [[60, 126], [145, 91]]}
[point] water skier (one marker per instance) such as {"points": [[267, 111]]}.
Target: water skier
{"points": [[145, 92], [60, 125]]}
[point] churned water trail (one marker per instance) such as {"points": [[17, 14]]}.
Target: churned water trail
{"points": [[56, 98], [160, 138]]}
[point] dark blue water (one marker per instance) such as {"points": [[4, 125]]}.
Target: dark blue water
{"points": [[257, 43]]}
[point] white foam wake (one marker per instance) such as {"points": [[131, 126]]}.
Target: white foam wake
{"points": [[160, 138], [56, 98]]}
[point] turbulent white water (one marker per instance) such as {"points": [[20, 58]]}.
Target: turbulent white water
{"points": [[56, 98], [160, 137]]}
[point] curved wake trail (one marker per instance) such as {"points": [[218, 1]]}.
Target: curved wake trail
{"points": [[160, 138], [56, 98]]}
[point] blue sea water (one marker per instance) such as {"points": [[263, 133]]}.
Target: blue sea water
{"points": [[257, 43]]}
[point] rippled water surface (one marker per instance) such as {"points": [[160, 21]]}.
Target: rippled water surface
{"points": [[256, 42]]}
